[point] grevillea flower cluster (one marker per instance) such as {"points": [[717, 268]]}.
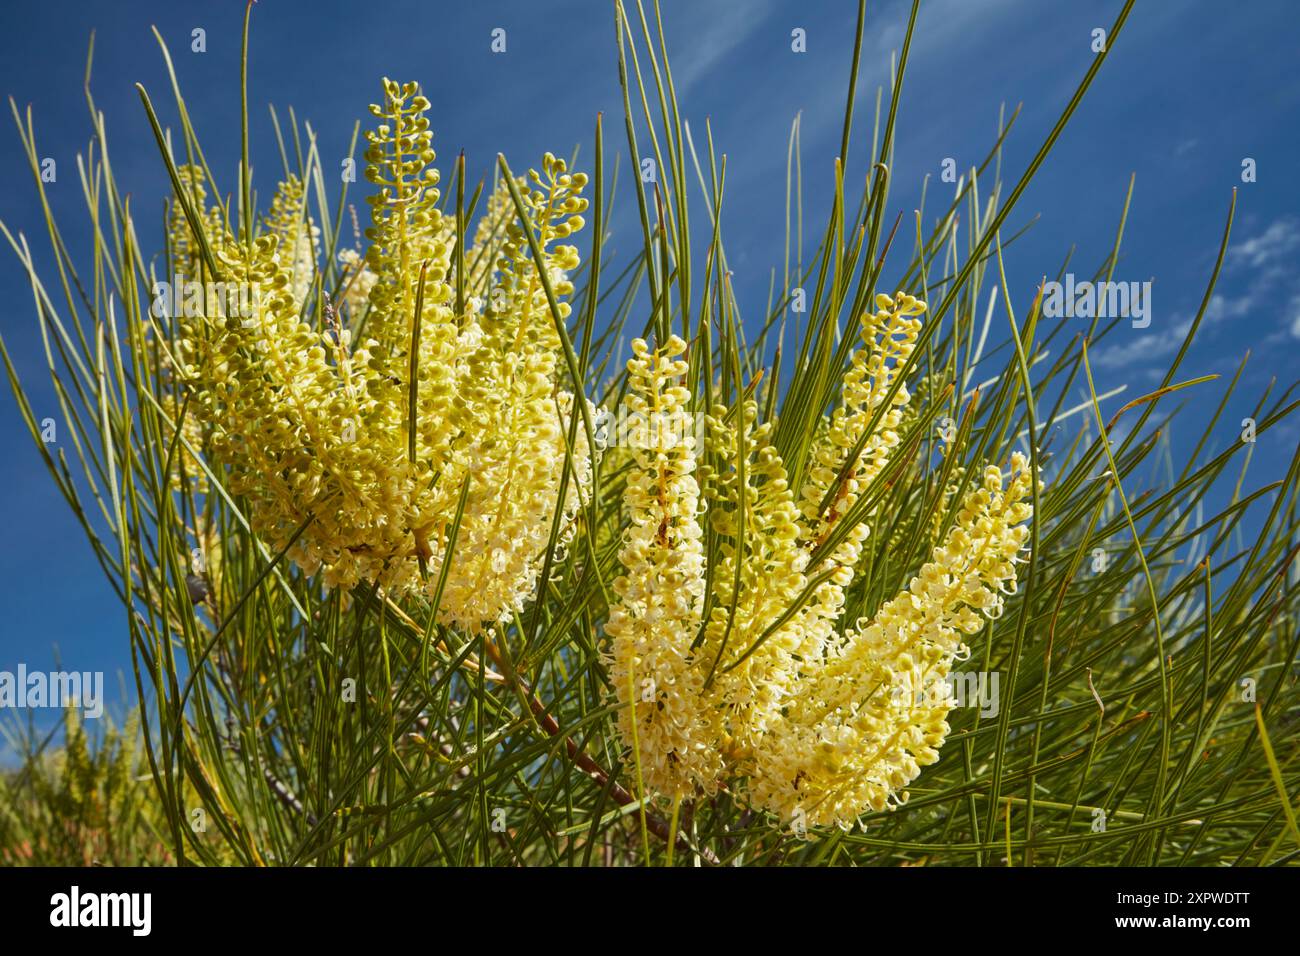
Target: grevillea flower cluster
{"points": [[744, 674], [362, 425]]}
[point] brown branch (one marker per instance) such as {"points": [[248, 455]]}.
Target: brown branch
{"points": [[654, 823]]}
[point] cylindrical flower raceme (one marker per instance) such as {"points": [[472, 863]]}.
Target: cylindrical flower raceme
{"points": [[664, 713], [863, 726], [837, 475], [760, 659], [759, 576], [297, 232]]}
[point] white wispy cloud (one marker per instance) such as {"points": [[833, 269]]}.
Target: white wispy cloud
{"points": [[1274, 245], [1293, 311], [1166, 341], [1261, 266], [729, 24], [1144, 349]]}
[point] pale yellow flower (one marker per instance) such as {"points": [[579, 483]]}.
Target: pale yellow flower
{"points": [[815, 727], [297, 232], [657, 679], [861, 728], [315, 426]]}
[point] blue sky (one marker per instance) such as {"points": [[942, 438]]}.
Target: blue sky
{"points": [[1190, 89]]}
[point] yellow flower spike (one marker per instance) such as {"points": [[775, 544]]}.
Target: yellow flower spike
{"points": [[358, 280], [481, 256], [298, 233], [834, 482], [182, 246], [318, 421], [658, 681], [751, 684], [880, 701]]}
